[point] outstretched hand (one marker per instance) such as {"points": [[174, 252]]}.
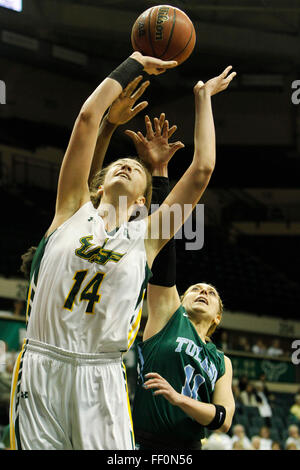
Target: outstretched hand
{"points": [[154, 148], [163, 387], [122, 110], [153, 65], [217, 84]]}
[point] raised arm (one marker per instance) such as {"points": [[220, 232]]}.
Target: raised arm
{"points": [[188, 191], [121, 111], [73, 189], [162, 296]]}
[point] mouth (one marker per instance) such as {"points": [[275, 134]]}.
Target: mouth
{"points": [[201, 299], [123, 175]]}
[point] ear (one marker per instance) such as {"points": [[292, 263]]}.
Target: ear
{"points": [[100, 191], [217, 320], [140, 201]]}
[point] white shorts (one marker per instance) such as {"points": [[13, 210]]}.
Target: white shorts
{"points": [[62, 400]]}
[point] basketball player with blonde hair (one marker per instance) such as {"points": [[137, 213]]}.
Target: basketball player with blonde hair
{"points": [[184, 382]]}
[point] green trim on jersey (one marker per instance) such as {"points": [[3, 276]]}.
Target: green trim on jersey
{"points": [[148, 275], [191, 366], [34, 272]]}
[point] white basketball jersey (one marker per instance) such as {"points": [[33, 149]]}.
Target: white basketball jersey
{"points": [[87, 286]]}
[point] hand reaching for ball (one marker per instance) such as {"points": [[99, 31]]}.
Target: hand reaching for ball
{"points": [[152, 65], [215, 85]]}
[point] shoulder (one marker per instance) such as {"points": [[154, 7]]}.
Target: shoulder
{"points": [[227, 361], [228, 365], [63, 219], [225, 366]]}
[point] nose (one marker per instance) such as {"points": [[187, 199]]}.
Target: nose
{"points": [[203, 291], [126, 167]]}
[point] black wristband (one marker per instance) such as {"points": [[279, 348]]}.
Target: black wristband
{"points": [[160, 190], [127, 71], [164, 265], [219, 418]]}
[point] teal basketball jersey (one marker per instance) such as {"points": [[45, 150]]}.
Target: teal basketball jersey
{"points": [[192, 368]]}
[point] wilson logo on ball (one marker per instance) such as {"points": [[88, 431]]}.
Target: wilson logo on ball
{"points": [[162, 16]]}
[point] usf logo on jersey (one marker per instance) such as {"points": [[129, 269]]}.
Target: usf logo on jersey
{"points": [[96, 254]]}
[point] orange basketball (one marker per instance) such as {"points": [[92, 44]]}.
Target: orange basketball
{"points": [[165, 32]]}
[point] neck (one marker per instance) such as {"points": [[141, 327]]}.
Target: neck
{"points": [[114, 211], [201, 327]]}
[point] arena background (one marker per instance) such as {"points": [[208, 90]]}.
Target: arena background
{"points": [[53, 54]]}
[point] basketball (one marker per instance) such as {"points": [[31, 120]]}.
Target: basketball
{"points": [[164, 32]]}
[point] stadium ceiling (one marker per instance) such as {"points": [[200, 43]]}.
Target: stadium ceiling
{"points": [[262, 35]]}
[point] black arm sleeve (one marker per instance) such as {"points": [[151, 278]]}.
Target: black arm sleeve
{"points": [[164, 265]]}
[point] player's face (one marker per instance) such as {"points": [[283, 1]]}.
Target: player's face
{"points": [[129, 176], [203, 299]]}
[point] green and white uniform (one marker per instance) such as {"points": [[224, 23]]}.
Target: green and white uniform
{"points": [[192, 368], [84, 309]]}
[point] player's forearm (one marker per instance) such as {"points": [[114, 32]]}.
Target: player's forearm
{"points": [[204, 134], [99, 101], [105, 133], [203, 413]]}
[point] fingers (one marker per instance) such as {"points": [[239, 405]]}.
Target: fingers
{"points": [[138, 93], [154, 380], [171, 131], [142, 138], [159, 66], [157, 127], [165, 64], [162, 118], [152, 374], [230, 77], [155, 383], [138, 108], [133, 136], [227, 79], [149, 129], [226, 71], [176, 146], [164, 125], [136, 137], [165, 130], [132, 85], [161, 127]]}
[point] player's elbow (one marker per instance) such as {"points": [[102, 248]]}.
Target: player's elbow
{"points": [[86, 122], [202, 175], [85, 116], [228, 419], [226, 426]]}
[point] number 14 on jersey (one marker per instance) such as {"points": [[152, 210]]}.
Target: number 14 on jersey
{"points": [[89, 293]]}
